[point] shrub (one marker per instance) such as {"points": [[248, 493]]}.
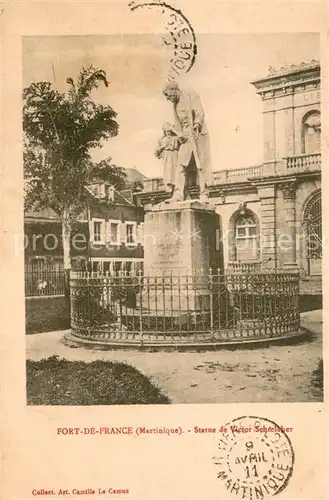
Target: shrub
{"points": [[55, 381]]}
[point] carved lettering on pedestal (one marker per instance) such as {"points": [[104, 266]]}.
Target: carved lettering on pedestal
{"points": [[168, 251], [165, 246]]}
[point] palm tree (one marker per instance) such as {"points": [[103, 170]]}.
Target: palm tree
{"points": [[60, 131]]}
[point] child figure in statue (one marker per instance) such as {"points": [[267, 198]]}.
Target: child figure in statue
{"points": [[167, 150]]}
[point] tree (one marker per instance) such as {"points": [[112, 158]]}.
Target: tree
{"points": [[105, 170], [60, 131]]}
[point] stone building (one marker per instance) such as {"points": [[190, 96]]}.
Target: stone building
{"points": [[271, 213], [115, 230], [105, 236]]}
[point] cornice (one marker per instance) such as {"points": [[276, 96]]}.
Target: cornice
{"points": [[292, 73], [279, 179], [220, 190], [290, 82]]}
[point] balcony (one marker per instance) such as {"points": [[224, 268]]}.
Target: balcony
{"points": [[245, 267], [220, 177], [237, 174], [153, 184], [289, 165], [303, 163]]}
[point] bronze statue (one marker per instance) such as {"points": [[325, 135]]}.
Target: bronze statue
{"points": [[189, 144]]}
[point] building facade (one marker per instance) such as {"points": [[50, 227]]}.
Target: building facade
{"points": [[43, 239], [115, 230], [271, 214], [105, 237]]}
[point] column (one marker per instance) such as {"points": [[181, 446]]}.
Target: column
{"points": [[289, 241], [269, 165], [269, 136], [290, 132], [268, 226]]}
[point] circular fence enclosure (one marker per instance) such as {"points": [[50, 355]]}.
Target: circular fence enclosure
{"points": [[206, 309]]}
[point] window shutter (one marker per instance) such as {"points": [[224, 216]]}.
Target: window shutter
{"points": [[91, 230], [107, 231], [103, 231], [119, 233], [140, 233], [122, 230]]}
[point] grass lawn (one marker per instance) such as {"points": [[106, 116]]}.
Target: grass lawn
{"points": [[56, 381]]}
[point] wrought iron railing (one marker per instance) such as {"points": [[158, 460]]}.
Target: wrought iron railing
{"points": [[44, 280], [175, 309]]}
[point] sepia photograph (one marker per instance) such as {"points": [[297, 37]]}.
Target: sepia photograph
{"points": [[172, 218], [164, 249]]}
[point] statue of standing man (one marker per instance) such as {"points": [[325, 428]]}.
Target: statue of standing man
{"points": [[194, 148]]}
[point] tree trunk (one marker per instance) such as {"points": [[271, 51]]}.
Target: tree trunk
{"points": [[66, 238]]}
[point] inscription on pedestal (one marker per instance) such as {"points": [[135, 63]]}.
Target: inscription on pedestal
{"points": [[181, 238]]}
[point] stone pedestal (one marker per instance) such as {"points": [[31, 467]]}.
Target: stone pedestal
{"points": [[181, 238], [181, 244]]}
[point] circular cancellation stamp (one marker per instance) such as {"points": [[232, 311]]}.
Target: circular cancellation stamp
{"points": [[180, 35], [255, 458]]}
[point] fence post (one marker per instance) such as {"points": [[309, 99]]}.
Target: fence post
{"points": [[67, 294], [211, 305], [140, 306]]}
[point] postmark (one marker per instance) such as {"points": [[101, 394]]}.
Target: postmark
{"points": [[179, 35], [255, 458]]}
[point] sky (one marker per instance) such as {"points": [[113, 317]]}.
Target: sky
{"points": [[137, 68]]}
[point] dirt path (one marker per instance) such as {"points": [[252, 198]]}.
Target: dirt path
{"points": [[273, 374]]}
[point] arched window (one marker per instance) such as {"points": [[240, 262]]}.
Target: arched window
{"points": [[246, 238], [313, 225], [311, 130], [245, 227]]}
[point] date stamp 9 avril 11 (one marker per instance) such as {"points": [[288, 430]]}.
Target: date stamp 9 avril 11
{"points": [[255, 458]]}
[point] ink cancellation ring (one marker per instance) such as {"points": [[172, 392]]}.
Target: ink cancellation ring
{"points": [[181, 35], [255, 458]]}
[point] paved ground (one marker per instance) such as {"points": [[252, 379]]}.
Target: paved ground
{"points": [[273, 374]]}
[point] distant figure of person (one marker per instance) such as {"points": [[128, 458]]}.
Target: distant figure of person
{"points": [[41, 286], [190, 127]]}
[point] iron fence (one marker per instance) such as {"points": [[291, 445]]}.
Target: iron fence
{"points": [[177, 309], [44, 279]]}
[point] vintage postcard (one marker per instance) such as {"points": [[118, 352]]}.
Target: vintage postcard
{"points": [[164, 249]]}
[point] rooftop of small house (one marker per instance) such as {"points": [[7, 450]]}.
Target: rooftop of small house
{"points": [[100, 191]]}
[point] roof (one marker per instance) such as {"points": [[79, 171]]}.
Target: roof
{"points": [[106, 193], [293, 68], [95, 191], [43, 213], [49, 215], [290, 72]]}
